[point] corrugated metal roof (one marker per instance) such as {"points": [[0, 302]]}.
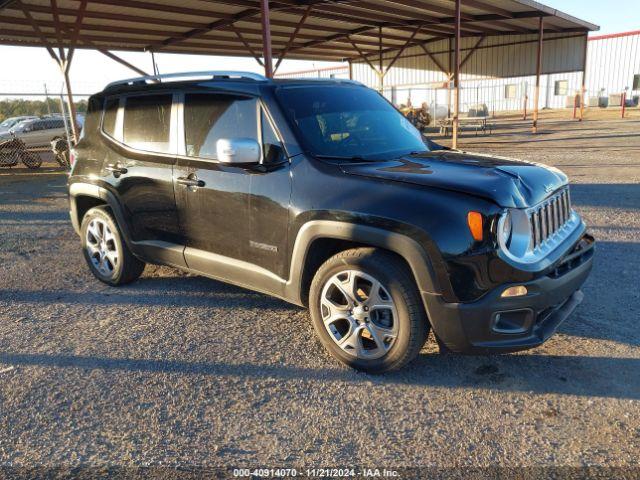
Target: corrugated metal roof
{"points": [[232, 27]]}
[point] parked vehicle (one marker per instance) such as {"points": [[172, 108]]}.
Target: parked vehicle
{"points": [[321, 193], [8, 123], [14, 150], [37, 132]]}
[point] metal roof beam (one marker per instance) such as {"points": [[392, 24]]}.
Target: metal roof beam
{"points": [[336, 52], [292, 39]]}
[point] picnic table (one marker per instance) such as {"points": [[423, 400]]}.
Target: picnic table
{"points": [[478, 123]]}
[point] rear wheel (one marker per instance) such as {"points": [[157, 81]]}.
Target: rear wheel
{"points": [[367, 310], [107, 255]]}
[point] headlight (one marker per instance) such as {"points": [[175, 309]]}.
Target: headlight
{"points": [[514, 233], [504, 228]]}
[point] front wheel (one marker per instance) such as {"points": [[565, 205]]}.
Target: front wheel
{"points": [[105, 251], [367, 311]]}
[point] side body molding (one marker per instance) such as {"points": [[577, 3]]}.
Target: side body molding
{"points": [[253, 277], [406, 247]]}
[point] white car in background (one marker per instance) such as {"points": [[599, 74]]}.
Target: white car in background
{"points": [[11, 122], [37, 132]]}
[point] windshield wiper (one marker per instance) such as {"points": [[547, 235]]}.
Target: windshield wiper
{"points": [[355, 158]]}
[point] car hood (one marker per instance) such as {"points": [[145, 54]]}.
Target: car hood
{"points": [[507, 182]]}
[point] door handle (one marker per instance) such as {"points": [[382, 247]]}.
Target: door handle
{"points": [[116, 170], [190, 182]]}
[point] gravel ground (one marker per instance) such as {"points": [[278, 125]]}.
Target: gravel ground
{"points": [[179, 370]]}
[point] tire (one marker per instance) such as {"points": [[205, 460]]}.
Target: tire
{"points": [[384, 325], [107, 255]]}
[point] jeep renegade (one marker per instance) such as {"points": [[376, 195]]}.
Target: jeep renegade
{"points": [[321, 193]]}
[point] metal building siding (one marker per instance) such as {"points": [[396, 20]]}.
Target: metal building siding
{"points": [[612, 63]]}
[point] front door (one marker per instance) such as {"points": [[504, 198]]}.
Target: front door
{"points": [[232, 217]]}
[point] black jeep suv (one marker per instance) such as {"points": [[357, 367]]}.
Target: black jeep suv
{"points": [[323, 194]]}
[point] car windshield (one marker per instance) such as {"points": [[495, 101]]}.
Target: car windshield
{"points": [[345, 121]]}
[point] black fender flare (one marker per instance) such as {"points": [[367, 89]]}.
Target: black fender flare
{"points": [[82, 189], [415, 256]]}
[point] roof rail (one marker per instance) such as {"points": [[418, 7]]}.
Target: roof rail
{"points": [[323, 79], [189, 75]]}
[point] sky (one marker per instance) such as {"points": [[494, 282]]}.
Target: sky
{"points": [[32, 68]]}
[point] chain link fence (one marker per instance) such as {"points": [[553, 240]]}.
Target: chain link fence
{"points": [[35, 124]]}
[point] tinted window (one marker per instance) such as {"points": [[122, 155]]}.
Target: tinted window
{"points": [[110, 113], [147, 122], [272, 149], [57, 124], [348, 121], [208, 118]]}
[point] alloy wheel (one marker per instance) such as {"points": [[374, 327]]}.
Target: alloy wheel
{"points": [[102, 247], [359, 314]]}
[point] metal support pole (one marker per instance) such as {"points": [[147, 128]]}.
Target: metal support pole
{"points": [[266, 39], [64, 119], [350, 70], [583, 90], [536, 100], [155, 65], [380, 61], [449, 77], [456, 81], [70, 105], [46, 99]]}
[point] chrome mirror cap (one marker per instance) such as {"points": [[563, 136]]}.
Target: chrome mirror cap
{"points": [[238, 150]]}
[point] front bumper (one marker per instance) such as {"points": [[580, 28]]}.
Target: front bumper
{"points": [[480, 326]]}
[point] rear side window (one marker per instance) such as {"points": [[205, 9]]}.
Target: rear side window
{"points": [[147, 122], [208, 118], [110, 113]]}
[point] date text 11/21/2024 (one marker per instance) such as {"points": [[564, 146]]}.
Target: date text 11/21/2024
{"points": [[316, 472]]}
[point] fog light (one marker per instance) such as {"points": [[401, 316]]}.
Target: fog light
{"points": [[518, 291]]}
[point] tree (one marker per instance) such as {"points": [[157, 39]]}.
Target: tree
{"points": [[19, 107]]}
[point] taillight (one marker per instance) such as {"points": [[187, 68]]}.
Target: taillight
{"points": [[72, 157]]}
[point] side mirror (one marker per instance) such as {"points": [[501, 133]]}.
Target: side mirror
{"points": [[238, 150]]}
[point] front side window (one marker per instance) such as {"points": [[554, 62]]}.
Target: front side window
{"points": [[147, 123], [208, 118], [348, 121]]}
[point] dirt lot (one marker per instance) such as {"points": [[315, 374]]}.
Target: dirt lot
{"points": [[177, 370]]}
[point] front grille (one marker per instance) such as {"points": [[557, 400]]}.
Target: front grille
{"points": [[549, 217]]}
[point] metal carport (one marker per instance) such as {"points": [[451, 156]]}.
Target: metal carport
{"points": [[377, 33]]}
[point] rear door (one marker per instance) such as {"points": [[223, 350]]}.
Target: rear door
{"points": [[141, 132]]}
